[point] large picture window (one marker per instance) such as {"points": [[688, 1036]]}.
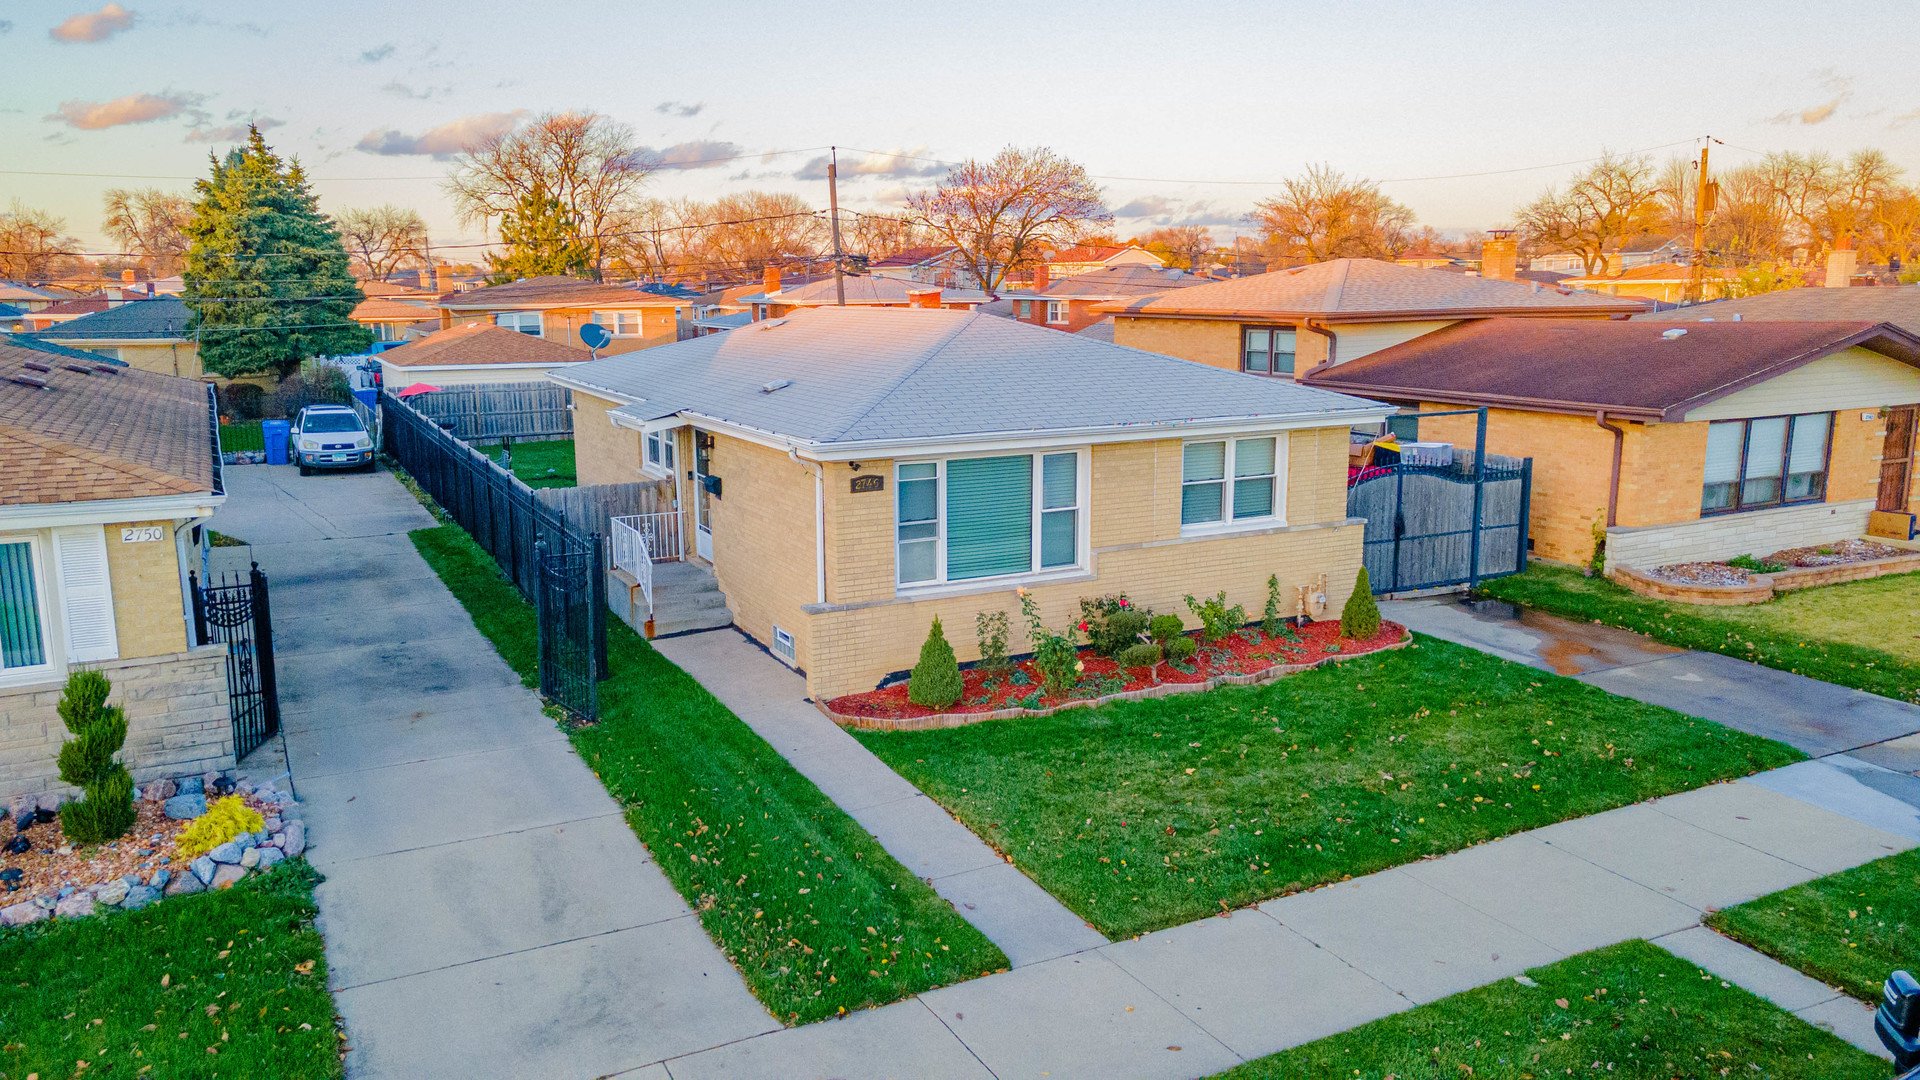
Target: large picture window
{"points": [[963, 519], [1266, 350], [1229, 481], [23, 641], [1766, 461]]}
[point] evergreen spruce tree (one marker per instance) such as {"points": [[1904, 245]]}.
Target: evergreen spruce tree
{"points": [[86, 761], [936, 681], [540, 239], [1360, 619], [267, 278]]}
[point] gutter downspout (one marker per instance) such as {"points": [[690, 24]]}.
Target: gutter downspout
{"points": [[1332, 342], [1613, 483], [819, 526]]}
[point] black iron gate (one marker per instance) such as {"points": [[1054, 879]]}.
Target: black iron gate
{"points": [[234, 612], [570, 598]]}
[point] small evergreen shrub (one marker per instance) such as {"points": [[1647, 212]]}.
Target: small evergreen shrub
{"points": [[1181, 649], [105, 810], [990, 628], [1271, 620], [1143, 655], [224, 820], [1217, 620], [935, 682], [1165, 628], [1124, 631], [1361, 617]]}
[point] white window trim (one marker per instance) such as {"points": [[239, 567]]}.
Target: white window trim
{"points": [[539, 322], [1082, 565], [638, 317], [662, 470], [51, 636], [1228, 524], [1058, 307]]}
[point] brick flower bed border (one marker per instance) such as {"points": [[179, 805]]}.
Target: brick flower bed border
{"points": [[945, 720], [1761, 588]]}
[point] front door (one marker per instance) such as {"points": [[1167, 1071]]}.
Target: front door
{"points": [[702, 499], [1896, 460]]}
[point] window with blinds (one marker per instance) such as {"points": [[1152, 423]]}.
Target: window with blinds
{"points": [[1765, 461], [23, 645], [964, 519], [1267, 351], [1230, 481]]}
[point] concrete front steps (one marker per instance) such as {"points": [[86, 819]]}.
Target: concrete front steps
{"points": [[685, 597]]}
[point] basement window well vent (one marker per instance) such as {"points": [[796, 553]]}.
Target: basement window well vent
{"points": [[777, 384], [783, 645]]}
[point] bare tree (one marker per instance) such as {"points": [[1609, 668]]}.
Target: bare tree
{"points": [[587, 161], [150, 223], [382, 239], [34, 245], [879, 235], [1324, 215], [1896, 227], [1184, 246], [1001, 214], [1614, 198]]}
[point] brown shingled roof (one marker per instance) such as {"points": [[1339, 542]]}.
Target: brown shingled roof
{"points": [[482, 343], [87, 435], [1356, 290], [553, 290], [1630, 369], [393, 309]]}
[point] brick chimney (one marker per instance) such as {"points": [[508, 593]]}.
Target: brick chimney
{"points": [[773, 278], [442, 277], [1500, 255], [1042, 277], [923, 298], [1841, 263], [1613, 265], [126, 277]]}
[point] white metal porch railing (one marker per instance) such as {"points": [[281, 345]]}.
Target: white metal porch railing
{"points": [[637, 540]]}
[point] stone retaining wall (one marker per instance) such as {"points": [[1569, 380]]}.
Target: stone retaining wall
{"points": [[177, 721], [1722, 536], [1761, 588]]}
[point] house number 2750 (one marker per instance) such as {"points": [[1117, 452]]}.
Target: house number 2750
{"points": [[140, 534]]}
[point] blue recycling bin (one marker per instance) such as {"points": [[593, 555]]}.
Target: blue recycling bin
{"points": [[274, 434]]}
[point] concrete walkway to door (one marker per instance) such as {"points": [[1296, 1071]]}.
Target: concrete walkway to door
{"points": [[487, 911]]}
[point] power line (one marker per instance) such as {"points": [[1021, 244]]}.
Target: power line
{"points": [[662, 167]]}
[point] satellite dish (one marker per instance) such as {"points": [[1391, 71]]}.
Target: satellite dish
{"points": [[595, 336]]}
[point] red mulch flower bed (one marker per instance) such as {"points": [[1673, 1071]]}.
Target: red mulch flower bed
{"points": [[1236, 655]]}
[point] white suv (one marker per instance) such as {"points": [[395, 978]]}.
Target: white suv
{"points": [[330, 437]]}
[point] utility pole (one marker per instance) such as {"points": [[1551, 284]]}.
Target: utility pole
{"points": [[833, 201], [1705, 196]]}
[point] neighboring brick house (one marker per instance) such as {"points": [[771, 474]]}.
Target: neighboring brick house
{"points": [[398, 318], [1897, 304], [1644, 250], [775, 299], [1666, 282], [554, 308], [1288, 322], [851, 473], [111, 473], [1684, 441], [149, 334], [476, 353], [1067, 304], [928, 265], [1087, 258], [64, 311]]}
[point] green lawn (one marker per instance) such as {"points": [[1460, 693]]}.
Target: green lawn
{"points": [[1145, 814], [1627, 1012], [1863, 634], [815, 914], [242, 436], [229, 984], [541, 464], [1849, 930]]}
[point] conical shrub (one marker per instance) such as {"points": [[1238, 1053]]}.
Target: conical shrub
{"points": [[105, 810], [1360, 619], [935, 682]]}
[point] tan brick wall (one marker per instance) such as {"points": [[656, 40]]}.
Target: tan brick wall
{"points": [[149, 614], [1216, 344], [182, 359], [1853, 470], [177, 721], [602, 453], [1572, 461], [1662, 470], [763, 539]]}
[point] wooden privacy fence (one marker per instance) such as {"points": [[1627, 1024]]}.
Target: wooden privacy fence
{"points": [[487, 412], [589, 509]]}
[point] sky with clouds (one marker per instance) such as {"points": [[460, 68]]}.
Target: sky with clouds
{"points": [[1188, 113]]}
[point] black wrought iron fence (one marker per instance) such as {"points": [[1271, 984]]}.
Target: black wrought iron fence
{"points": [[234, 611], [572, 605]]}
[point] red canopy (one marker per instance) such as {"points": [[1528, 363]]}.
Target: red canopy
{"points": [[417, 388]]}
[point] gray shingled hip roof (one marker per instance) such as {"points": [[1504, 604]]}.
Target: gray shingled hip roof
{"points": [[162, 318], [866, 377]]}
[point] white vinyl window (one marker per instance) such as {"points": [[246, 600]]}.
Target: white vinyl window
{"points": [[23, 610], [1056, 311], [1231, 481], [1766, 461], [660, 450], [526, 322], [961, 519], [620, 323]]}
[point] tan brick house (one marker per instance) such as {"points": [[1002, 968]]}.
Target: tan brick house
{"points": [[554, 308], [111, 473], [1682, 441], [849, 474], [476, 352]]}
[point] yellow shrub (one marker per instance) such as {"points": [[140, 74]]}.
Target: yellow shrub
{"points": [[228, 818]]}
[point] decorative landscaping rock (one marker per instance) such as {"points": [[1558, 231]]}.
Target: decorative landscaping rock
{"points": [[112, 893], [185, 885], [227, 875], [159, 879], [250, 858], [295, 840], [247, 840], [186, 806], [158, 790], [202, 868], [21, 914], [140, 896], [270, 856], [77, 906], [270, 826], [193, 785], [12, 873], [228, 852]]}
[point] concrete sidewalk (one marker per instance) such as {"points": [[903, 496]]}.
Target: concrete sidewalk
{"points": [[486, 909], [1023, 919]]}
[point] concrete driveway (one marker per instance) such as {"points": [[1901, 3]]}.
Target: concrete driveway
{"points": [[487, 911]]}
